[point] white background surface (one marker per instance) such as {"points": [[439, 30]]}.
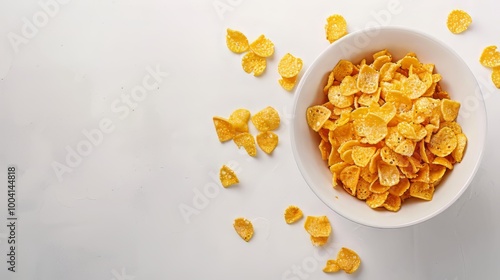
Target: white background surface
{"points": [[116, 215]]}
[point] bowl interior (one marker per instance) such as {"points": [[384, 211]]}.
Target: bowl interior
{"points": [[457, 80]]}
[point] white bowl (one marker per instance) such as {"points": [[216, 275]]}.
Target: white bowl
{"points": [[457, 80]]}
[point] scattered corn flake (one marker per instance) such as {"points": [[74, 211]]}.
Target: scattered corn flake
{"points": [[252, 62], [348, 260], [239, 119], [262, 46], [288, 83], [490, 57], [244, 228], [266, 119], [224, 128], [227, 176], [335, 28], [247, 141], [495, 76], [289, 66], [293, 214], [319, 241], [331, 266], [236, 41], [458, 21], [267, 141], [318, 226]]}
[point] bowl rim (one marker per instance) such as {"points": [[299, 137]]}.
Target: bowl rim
{"points": [[482, 137]]}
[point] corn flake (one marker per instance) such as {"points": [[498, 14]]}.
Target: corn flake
{"points": [[347, 260], [318, 226], [288, 83], [490, 57], [335, 28], [349, 177], [413, 87], [224, 128], [393, 158], [289, 66], [252, 62], [388, 175], [342, 69], [247, 141], [266, 119], [337, 99], [368, 79], [449, 109], [227, 176], [239, 120], [376, 200], [372, 127], [458, 21], [400, 188], [388, 130], [458, 152], [293, 214], [422, 190], [392, 203], [236, 41], [331, 266], [443, 161], [244, 228], [267, 141], [317, 116], [362, 155], [363, 189], [348, 86], [443, 142], [262, 46], [376, 187], [495, 76], [319, 241]]}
